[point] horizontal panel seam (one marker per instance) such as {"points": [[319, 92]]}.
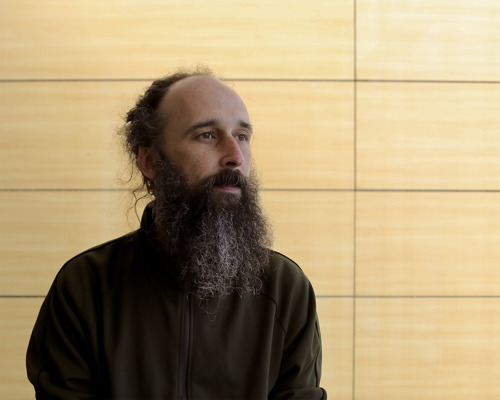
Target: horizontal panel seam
{"points": [[264, 80], [381, 190], [330, 297]]}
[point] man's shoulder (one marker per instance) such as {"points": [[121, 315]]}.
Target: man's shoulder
{"points": [[97, 262], [104, 251], [282, 267], [283, 276], [286, 285]]}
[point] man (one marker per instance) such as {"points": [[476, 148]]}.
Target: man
{"points": [[193, 305]]}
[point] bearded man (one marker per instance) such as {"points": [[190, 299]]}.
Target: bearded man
{"points": [[194, 304]]}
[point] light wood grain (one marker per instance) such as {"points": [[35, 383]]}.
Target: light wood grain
{"points": [[434, 349], [336, 324], [42, 230], [63, 135], [136, 39], [304, 133], [428, 136], [315, 229], [45, 229], [17, 317], [428, 244], [428, 40]]}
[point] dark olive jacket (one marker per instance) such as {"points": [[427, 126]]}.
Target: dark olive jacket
{"points": [[118, 324]]}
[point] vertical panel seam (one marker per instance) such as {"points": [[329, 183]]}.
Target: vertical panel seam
{"points": [[355, 186]]}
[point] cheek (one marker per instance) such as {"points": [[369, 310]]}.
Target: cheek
{"points": [[197, 167], [248, 161]]}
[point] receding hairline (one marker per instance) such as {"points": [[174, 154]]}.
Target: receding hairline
{"points": [[177, 85], [181, 83]]}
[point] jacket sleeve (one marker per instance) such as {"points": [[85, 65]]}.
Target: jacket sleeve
{"points": [[300, 372], [60, 358]]}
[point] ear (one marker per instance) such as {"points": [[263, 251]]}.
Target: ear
{"points": [[146, 162]]}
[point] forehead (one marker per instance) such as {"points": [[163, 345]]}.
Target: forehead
{"points": [[200, 97]]}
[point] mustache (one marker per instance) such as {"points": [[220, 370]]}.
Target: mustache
{"points": [[229, 177]]}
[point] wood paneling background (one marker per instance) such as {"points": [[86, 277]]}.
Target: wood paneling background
{"points": [[378, 143]]}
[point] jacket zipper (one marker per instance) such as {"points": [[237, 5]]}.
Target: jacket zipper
{"points": [[185, 348]]}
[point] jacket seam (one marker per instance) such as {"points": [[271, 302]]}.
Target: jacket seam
{"points": [[275, 312]]}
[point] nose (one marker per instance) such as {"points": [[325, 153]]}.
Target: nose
{"points": [[232, 154]]}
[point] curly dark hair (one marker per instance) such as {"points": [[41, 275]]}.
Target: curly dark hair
{"points": [[144, 124]]}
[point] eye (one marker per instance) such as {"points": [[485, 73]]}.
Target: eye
{"points": [[242, 137], [206, 135]]}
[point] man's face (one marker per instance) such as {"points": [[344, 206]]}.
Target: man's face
{"points": [[207, 131]]}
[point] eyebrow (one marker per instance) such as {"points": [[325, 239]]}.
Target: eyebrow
{"points": [[246, 125], [213, 122]]}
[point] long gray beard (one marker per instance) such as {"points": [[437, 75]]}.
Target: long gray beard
{"points": [[220, 241]]}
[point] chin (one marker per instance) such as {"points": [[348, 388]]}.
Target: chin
{"points": [[226, 199]]}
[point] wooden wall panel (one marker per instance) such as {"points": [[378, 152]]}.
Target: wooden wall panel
{"points": [[429, 244], [315, 229], [428, 136], [65, 39], [63, 135], [428, 40], [336, 321], [43, 230], [433, 349], [17, 317], [303, 133]]}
